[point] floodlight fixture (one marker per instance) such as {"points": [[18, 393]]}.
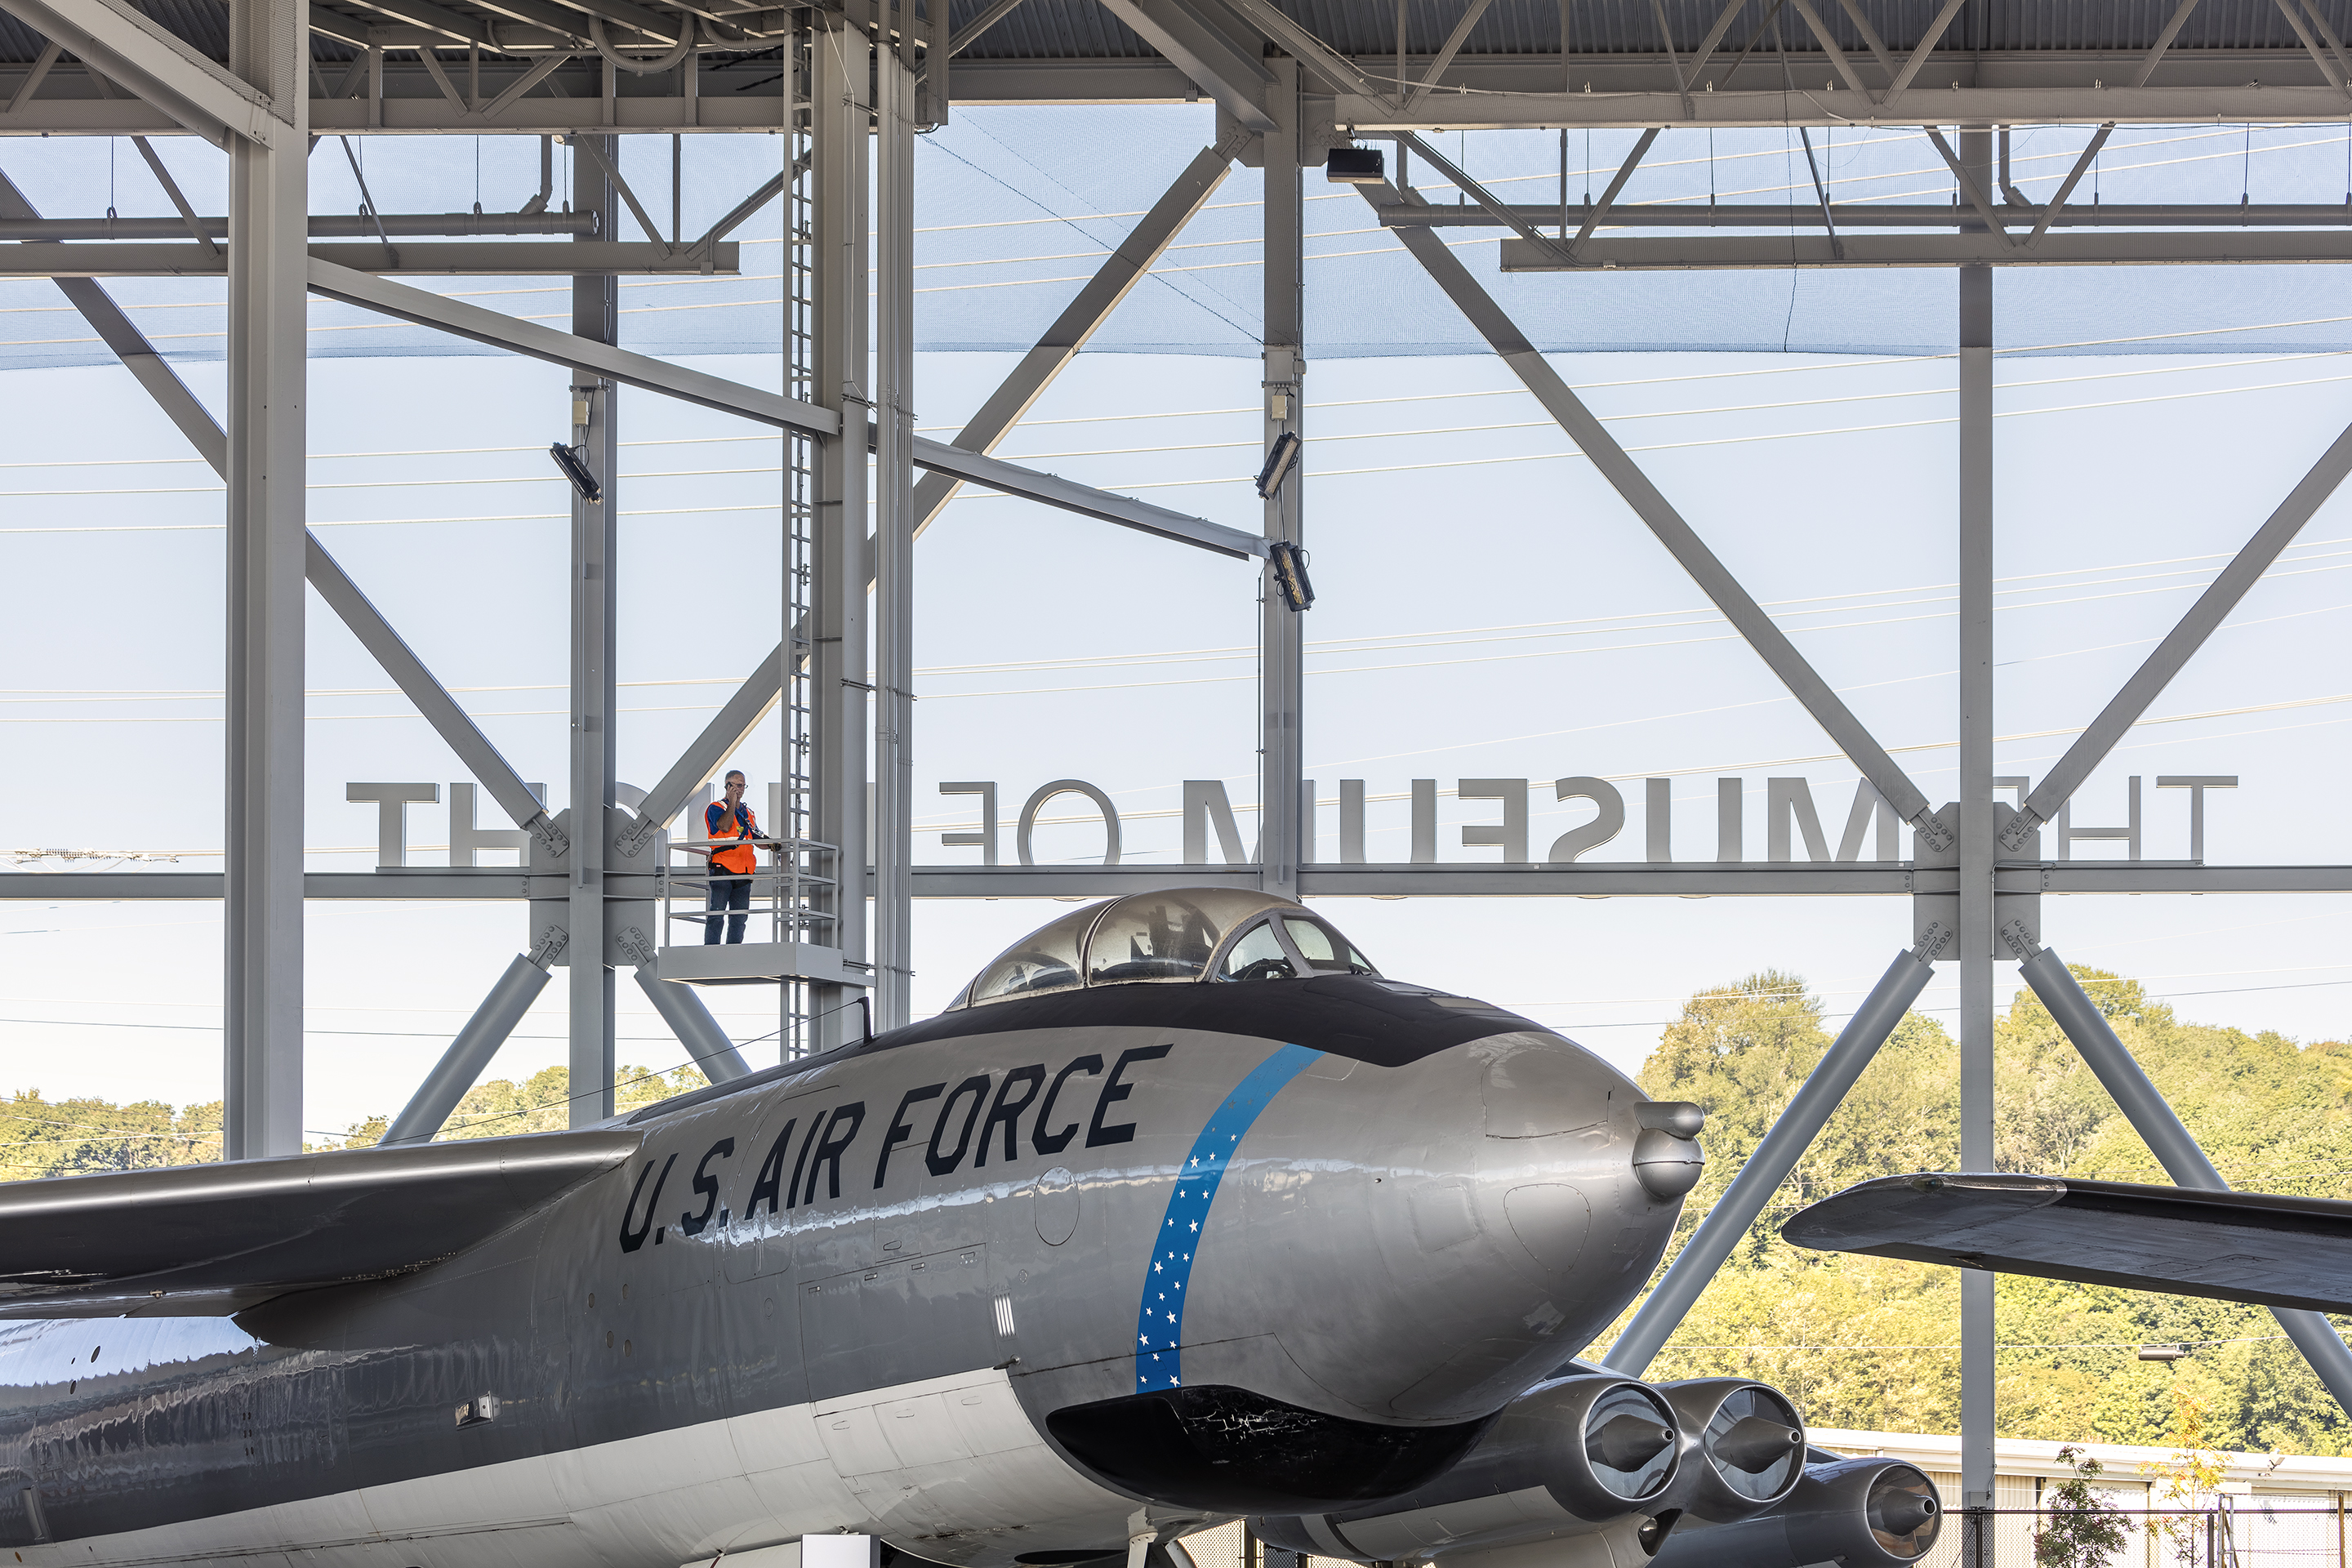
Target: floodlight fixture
{"points": [[1290, 580], [568, 459], [1280, 459], [1355, 167], [2163, 1352]]}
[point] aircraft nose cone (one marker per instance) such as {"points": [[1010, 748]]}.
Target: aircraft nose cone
{"points": [[1423, 1242]]}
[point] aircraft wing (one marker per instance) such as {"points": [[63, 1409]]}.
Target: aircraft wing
{"points": [[2232, 1247], [209, 1240]]}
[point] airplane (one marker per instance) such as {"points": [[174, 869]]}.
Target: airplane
{"points": [[2271, 1250], [1182, 1212]]}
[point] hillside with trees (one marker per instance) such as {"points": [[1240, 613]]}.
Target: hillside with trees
{"points": [[76, 1137], [1871, 1342]]}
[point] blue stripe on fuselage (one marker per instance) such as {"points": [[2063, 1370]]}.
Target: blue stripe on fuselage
{"points": [[1160, 1318]]}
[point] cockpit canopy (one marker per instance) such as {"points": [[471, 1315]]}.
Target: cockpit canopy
{"points": [[1186, 935]]}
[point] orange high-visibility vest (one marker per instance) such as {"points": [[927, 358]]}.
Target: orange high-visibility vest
{"points": [[740, 861]]}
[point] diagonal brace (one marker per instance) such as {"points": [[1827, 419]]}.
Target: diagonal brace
{"points": [[1616, 185], [1921, 51], [1808, 1111], [1821, 31], [1770, 643], [32, 78], [116, 39], [1453, 47], [2155, 56], [455, 726], [2066, 186], [1495, 208], [1969, 186], [2160, 1125], [1121, 270], [2212, 607]]}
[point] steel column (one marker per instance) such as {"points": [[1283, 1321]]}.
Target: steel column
{"points": [[595, 315], [894, 551], [1281, 635], [262, 913], [462, 1065], [1976, 847], [1808, 1112], [840, 63], [2156, 1121]]}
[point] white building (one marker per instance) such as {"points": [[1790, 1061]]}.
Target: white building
{"points": [[2271, 1510]]}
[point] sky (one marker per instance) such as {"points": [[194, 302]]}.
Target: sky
{"points": [[1487, 608]]}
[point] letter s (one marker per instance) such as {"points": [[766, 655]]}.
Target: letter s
{"points": [[708, 1185]]}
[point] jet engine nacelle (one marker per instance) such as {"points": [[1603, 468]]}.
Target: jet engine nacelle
{"points": [[1743, 1447], [1861, 1513], [1610, 1464]]}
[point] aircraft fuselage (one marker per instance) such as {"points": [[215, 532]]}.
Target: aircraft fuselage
{"points": [[1025, 1281]]}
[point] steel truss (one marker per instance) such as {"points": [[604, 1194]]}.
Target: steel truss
{"points": [[848, 88]]}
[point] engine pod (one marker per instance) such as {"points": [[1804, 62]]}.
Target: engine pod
{"points": [[1864, 1513], [1609, 1446], [1858, 1513], [1744, 1446]]}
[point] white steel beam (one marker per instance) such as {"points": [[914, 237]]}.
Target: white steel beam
{"points": [[1282, 393], [456, 727], [1808, 1111], [1975, 725], [1338, 72], [841, 72], [893, 830], [455, 258], [116, 39], [1745, 252], [595, 550], [1195, 47], [428, 309], [451, 723], [1121, 270], [262, 920], [1084, 499], [737, 717], [459, 318], [2076, 104], [1658, 514], [1585, 880], [2180, 645]]}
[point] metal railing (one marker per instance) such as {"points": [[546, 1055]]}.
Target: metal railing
{"points": [[782, 889]]}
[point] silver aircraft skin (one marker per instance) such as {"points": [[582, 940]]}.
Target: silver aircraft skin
{"points": [[1180, 1214]]}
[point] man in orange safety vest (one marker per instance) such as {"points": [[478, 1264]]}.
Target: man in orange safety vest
{"points": [[731, 869]]}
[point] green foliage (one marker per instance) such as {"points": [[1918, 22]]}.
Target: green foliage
{"points": [[2078, 1529], [1872, 1343], [73, 1137]]}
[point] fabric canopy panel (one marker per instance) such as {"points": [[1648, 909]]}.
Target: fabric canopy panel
{"points": [[1018, 206]]}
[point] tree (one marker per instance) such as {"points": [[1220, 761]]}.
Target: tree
{"points": [[2192, 1476], [2078, 1530]]}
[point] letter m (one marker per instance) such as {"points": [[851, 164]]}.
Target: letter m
{"points": [[1204, 805], [1791, 800]]}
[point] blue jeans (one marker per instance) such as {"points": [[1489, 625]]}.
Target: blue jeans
{"points": [[727, 893]]}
